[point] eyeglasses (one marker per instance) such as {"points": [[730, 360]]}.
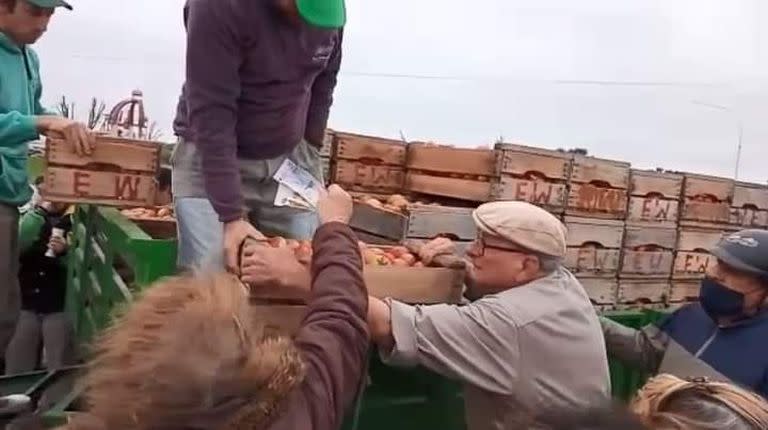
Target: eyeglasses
{"points": [[479, 246]]}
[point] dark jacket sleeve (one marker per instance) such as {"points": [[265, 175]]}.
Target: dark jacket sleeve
{"points": [[212, 88], [333, 338], [322, 97]]}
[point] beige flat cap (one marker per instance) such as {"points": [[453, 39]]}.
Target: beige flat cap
{"points": [[523, 224]]}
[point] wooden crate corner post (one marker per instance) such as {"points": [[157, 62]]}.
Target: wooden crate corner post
{"points": [[534, 175], [598, 188], [119, 172]]}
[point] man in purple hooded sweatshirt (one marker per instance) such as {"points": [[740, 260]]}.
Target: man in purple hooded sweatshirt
{"points": [[259, 85]]}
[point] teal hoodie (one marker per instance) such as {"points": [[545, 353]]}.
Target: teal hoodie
{"points": [[20, 91]]}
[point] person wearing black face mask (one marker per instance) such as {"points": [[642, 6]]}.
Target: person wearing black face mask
{"points": [[724, 335]]}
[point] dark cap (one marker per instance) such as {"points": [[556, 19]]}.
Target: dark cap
{"points": [[50, 4], [745, 251]]}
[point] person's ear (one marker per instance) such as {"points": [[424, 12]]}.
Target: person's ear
{"points": [[532, 265]]}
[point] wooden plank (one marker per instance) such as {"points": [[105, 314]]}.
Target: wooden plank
{"points": [[609, 173], [709, 212], [647, 263], [327, 149], [372, 239], [650, 183], [547, 194], [698, 240], [585, 231], [748, 218], [433, 158], [97, 187], [463, 189], [425, 285], [592, 201], [601, 291], [683, 292], [643, 291], [717, 189], [691, 264], [752, 196], [356, 147], [358, 176], [592, 261], [636, 236], [379, 222], [120, 154], [653, 210], [426, 222], [526, 162]]}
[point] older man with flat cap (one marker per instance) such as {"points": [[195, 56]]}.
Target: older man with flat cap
{"points": [[530, 339]]}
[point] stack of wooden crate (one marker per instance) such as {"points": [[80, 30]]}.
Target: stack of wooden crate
{"points": [[593, 255], [444, 171], [534, 175], [368, 164], [650, 238]]}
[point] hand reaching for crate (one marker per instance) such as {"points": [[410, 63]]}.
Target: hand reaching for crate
{"points": [[75, 133]]}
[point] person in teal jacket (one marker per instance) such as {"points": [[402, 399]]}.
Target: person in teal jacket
{"points": [[23, 119]]}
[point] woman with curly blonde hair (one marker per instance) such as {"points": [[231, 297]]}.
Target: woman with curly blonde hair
{"points": [[667, 402]]}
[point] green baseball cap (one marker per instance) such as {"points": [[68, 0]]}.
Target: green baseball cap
{"points": [[323, 13], [50, 4]]}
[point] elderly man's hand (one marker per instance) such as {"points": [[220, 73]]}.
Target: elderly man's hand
{"points": [[436, 247], [267, 268], [380, 323]]}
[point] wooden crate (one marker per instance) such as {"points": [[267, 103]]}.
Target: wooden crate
{"points": [[706, 200], [648, 251], [692, 257], [458, 173], [654, 198], [749, 208], [427, 222], [598, 188], [378, 226], [326, 167], [601, 291], [646, 291], [368, 164], [327, 149], [119, 172], [534, 175], [594, 246], [684, 291]]}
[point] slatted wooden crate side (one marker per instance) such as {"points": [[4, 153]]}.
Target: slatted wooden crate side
{"points": [[593, 246], [684, 291], [716, 188], [369, 149], [598, 171], [426, 222], [456, 188], [547, 194], [525, 162], [653, 211], [632, 291], [692, 257], [110, 153], [648, 252], [749, 208], [707, 199], [589, 200], [361, 177], [443, 159], [650, 183], [379, 222], [601, 291]]}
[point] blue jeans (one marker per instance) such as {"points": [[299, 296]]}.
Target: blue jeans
{"points": [[201, 242]]}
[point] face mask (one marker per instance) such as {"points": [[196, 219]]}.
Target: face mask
{"points": [[718, 301]]}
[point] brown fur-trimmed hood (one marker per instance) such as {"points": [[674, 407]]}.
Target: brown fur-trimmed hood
{"points": [[189, 355]]}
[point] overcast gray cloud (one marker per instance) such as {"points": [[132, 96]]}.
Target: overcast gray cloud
{"points": [[554, 73]]}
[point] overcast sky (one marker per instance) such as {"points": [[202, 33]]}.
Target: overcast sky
{"points": [[623, 79]]}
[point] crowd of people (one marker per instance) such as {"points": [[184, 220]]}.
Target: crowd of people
{"points": [[527, 344]]}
